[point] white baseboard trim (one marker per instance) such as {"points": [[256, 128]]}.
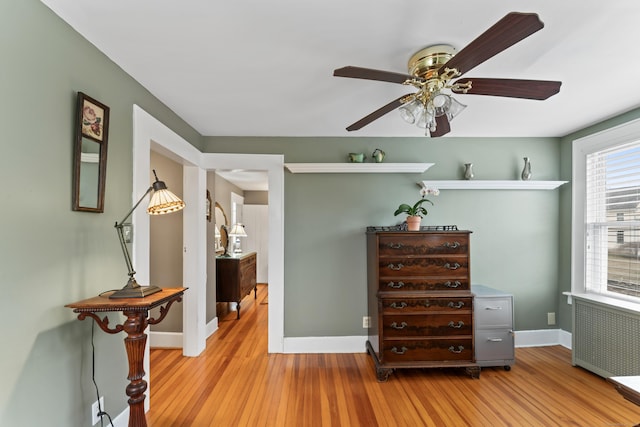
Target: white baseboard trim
{"points": [[543, 338], [356, 344], [212, 327], [121, 420], [350, 344], [165, 339], [565, 339], [174, 339]]}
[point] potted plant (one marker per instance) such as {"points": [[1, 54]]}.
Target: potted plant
{"points": [[417, 211]]}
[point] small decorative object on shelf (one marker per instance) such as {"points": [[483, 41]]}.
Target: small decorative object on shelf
{"points": [[378, 155], [526, 171], [356, 157], [415, 212], [468, 171]]}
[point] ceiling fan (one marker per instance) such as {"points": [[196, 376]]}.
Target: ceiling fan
{"points": [[432, 69]]}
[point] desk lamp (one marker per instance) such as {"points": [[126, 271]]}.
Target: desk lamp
{"points": [[162, 202]]}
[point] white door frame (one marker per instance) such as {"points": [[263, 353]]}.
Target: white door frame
{"points": [[150, 134], [274, 165]]}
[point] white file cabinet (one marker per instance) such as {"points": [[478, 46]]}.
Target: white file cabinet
{"points": [[493, 322]]}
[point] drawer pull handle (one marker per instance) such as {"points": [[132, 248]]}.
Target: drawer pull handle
{"points": [[452, 304], [394, 245], [458, 351], [400, 305], [493, 308], [458, 326], [455, 284], [399, 327], [453, 245], [455, 266], [395, 285], [402, 350], [495, 340], [395, 267]]}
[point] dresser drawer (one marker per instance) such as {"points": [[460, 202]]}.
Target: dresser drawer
{"points": [[404, 284], [427, 266], [427, 350], [425, 305], [442, 325], [494, 312], [423, 244]]}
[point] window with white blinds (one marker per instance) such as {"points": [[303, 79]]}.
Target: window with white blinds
{"points": [[612, 215]]}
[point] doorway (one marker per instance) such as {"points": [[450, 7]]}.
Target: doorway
{"points": [[150, 134]]}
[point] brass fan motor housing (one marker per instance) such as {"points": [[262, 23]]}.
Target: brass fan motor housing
{"points": [[426, 62]]}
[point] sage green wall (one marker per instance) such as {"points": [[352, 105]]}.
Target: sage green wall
{"points": [[515, 233], [565, 208], [50, 255]]}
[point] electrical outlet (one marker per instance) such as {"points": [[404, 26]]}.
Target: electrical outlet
{"points": [[551, 318], [127, 232], [95, 410], [366, 320]]}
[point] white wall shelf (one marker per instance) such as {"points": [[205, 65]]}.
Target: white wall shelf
{"points": [[493, 185], [358, 167]]}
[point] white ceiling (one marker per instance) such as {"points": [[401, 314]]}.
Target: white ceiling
{"points": [[264, 67], [248, 180]]}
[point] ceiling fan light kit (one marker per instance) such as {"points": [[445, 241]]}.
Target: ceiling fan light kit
{"points": [[432, 69]]}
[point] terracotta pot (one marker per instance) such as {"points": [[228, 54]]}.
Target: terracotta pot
{"points": [[413, 223]]}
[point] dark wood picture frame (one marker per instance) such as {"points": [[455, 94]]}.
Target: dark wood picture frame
{"points": [[90, 154]]}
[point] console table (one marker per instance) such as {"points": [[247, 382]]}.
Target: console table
{"points": [[137, 311]]}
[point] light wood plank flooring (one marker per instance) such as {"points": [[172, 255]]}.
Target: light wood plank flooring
{"points": [[236, 383]]}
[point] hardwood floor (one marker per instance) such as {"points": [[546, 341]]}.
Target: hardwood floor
{"points": [[236, 383]]}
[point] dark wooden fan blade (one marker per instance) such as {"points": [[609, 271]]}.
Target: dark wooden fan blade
{"points": [[376, 114], [371, 74], [508, 31], [512, 88], [442, 126]]}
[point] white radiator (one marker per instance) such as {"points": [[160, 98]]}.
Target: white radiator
{"points": [[606, 340]]}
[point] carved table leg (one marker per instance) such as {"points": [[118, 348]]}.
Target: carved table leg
{"points": [[238, 311], [135, 343], [136, 311]]}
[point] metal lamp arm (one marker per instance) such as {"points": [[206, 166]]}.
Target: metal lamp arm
{"points": [[125, 251], [123, 244], [134, 207]]}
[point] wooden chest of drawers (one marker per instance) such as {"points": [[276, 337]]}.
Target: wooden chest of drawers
{"points": [[236, 278], [420, 303]]}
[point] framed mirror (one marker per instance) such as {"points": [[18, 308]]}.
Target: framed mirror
{"points": [[90, 154], [221, 219]]}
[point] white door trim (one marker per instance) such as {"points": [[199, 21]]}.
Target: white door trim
{"points": [[150, 134], [274, 165]]}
